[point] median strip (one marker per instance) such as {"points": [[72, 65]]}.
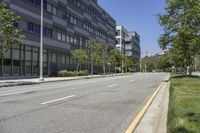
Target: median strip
{"points": [[59, 99]]}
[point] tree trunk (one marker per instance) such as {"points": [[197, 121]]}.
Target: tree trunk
{"points": [[92, 67], [77, 67], [104, 69]]}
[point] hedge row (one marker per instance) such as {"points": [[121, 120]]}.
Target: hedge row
{"points": [[65, 73]]}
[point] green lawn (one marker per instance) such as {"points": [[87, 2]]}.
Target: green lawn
{"points": [[184, 105]]}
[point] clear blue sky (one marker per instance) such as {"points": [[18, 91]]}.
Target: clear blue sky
{"points": [[139, 16]]}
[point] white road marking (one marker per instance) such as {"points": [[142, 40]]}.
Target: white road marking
{"points": [[59, 99], [132, 80], [112, 85]]}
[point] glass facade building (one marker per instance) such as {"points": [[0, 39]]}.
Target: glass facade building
{"points": [[68, 25]]}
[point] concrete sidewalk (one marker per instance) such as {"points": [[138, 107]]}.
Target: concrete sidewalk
{"points": [[196, 73], [30, 81], [155, 119]]}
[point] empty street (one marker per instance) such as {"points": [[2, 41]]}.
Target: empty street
{"points": [[99, 105]]}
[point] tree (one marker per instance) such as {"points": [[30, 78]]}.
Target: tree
{"points": [[129, 64], [94, 53], [81, 56], [104, 57], [181, 29], [164, 64], [114, 58], [8, 33]]}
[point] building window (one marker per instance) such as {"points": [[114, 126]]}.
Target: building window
{"points": [[67, 39], [71, 39], [63, 37], [49, 8], [53, 58], [54, 10], [59, 36], [7, 62], [36, 2], [63, 59], [36, 28], [48, 32], [30, 27]]}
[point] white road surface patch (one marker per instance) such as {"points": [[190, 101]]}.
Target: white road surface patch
{"points": [[59, 99]]}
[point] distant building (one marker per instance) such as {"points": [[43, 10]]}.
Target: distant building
{"points": [[128, 42], [121, 35], [132, 45]]}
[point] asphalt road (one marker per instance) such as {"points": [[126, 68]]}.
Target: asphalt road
{"points": [[100, 105]]}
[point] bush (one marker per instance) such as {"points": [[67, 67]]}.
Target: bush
{"points": [[65, 73], [62, 73]]}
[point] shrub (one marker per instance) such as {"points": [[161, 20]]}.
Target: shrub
{"points": [[65, 73], [62, 73]]}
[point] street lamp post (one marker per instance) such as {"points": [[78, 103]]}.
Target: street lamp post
{"points": [[41, 43], [140, 64], [146, 61]]}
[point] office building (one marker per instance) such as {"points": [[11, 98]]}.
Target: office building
{"points": [[68, 25], [121, 35], [129, 44], [132, 45]]}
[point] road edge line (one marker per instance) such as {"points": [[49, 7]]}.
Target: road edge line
{"points": [[142, 112]]}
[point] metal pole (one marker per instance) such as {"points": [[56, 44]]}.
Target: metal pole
{"points": [[41, 43], [140, 64]]}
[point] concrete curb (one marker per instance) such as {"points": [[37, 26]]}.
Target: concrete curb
{"points": [[20, 83]]}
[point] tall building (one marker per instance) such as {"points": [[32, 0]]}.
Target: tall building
{"points": [[129, 44], [132, 45], [68, 24], [121, 35]]}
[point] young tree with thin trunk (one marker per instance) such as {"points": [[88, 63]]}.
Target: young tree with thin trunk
{"points": [[8, 33], [93, 49], [114, 58], [81, 56]]}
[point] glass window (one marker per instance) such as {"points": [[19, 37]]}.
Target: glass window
{"points": [[16, 54], [35, 56], [75, 41], [63, 59], [71, 19], [30, 26], [53, 58], [71, 39], [67, 59], [49, 7], [54, 10], [28, 53], [37, 28], [38, 2], [45, 57], [59, 36], [7, 54], [75, 21], [67, 39], [81, 41], [63, 37]]}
